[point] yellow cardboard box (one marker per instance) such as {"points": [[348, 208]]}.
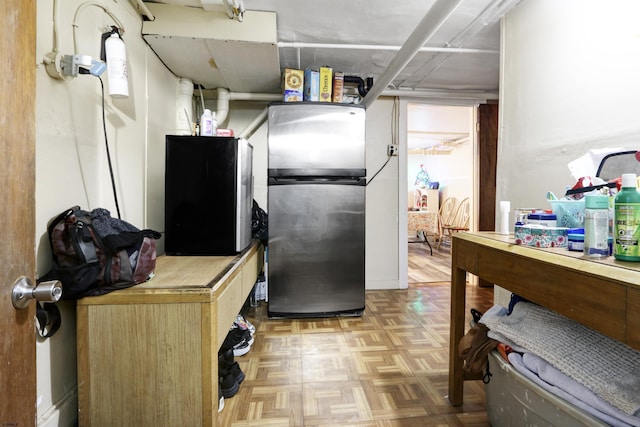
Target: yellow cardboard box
{"points": [[326, 83], [292, 84]]}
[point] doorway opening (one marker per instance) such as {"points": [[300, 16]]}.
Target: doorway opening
{"points": [[439, 163]]}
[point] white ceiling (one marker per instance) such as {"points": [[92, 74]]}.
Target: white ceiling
{"points": [[362, 38]]}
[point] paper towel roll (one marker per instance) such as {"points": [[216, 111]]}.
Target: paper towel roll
{"points": [[505, 208]]}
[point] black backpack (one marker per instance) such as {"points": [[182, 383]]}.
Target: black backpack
{"points": [[94, 254]]}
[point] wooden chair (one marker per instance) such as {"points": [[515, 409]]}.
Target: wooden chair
{"points": [[460, 221], [446, 215]]}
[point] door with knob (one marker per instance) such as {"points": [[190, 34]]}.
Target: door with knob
{"points": [[17, 210]]}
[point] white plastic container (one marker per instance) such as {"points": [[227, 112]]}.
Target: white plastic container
{"points": [[515, 400], [206, 124]]}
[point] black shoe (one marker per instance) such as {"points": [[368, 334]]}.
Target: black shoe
{"points": [[235, 338], [226, 365], [228, 385]]}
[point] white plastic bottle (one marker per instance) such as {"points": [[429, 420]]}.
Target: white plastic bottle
{"points": [[206, 123], [117, 66]]}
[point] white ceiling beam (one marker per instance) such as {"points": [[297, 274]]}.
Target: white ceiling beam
{"points": [[428, 26]]}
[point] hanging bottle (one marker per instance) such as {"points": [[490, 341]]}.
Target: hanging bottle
{"points": [[117, 74], [626, 231]]}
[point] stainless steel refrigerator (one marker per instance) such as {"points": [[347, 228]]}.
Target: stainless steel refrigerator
{"points": [[316, 208]]}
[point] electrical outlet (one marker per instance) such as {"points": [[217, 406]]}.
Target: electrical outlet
{"points": [[392, 150]]}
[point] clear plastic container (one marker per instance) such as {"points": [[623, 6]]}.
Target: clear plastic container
{"points": [[596, 226]]}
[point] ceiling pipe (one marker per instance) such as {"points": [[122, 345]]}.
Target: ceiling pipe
{"points": [[436, 93], [433, 20], [224, 97], [301, 45], [255, 124]]}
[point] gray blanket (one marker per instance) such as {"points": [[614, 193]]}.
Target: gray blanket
{"points": [[607, 367]]}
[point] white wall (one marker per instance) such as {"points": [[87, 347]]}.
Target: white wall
{"points": [[382, 248], [570, 82]]}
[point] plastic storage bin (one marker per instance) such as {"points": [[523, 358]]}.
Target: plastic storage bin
{"points": [[514, 400], [569, 213]]}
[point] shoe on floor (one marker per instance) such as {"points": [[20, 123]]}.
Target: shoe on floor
{"points": [[226, 365], [228, 385], [243, 347], [235, 337], [243, 323], [220, 398]]}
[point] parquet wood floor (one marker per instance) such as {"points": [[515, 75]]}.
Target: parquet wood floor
{"points": [[388, 368]]}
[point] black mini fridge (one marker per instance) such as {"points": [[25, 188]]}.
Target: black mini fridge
{"points": [[208, 195]]}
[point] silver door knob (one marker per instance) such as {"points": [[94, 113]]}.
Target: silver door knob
{"points": [[24, 290]]}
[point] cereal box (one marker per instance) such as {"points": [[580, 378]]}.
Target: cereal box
{"points": [[338, 84], [311, 85], [326, 83], [292, 82]]}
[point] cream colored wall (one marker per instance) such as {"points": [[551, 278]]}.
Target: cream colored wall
{"points": [[382, 249], [71, 166], [569, 84]]}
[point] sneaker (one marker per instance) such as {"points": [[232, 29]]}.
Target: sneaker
{"points": [[242, 323], [228, 386], [220, 398], [226, 365], [234, 337], [243, 347]]}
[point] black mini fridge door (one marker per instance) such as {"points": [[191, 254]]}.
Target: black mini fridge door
{"points": [[208, 195]]}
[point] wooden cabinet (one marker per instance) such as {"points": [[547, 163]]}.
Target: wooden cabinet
{"points": [[601, 294], [148, 355]]}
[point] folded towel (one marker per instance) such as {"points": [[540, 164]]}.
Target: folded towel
{"points": [[592, 403], [605, 366]]}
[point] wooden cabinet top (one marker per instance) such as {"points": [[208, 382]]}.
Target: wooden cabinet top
{"points": [[181, 279]]}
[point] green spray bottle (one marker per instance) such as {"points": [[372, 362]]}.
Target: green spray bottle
{"points": [[626, 228]]}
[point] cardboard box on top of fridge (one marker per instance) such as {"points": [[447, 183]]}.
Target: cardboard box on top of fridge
{"points": [[292, 84], [311, 85], [326, 83], [338, 85]]}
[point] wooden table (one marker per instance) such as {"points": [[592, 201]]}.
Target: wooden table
{"points": [[423, 221], [601, 294], [148, 355]]}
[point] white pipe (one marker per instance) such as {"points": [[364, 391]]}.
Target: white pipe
{"points": [[428, 26], [184, 110], [301, 45], [224, 96], [443, 94], [255, 124], [222, 106], [244, 96], [144, 10]]}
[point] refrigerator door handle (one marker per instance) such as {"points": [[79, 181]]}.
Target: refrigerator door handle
{"points": [[359, 181]]}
